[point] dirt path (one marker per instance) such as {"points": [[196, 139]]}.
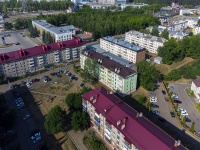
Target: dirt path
{"points": [[187, 62], [47, 94]]}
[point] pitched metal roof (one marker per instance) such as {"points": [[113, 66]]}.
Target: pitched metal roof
{"points": [[38, 50], [138, 130], [108, 63]]}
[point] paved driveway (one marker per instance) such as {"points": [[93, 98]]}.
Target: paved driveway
{"points": [[187, 104], [164, 106], [15, 37]]}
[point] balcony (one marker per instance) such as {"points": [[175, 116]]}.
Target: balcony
{"points": [[40, 57], [56, 57], [31, 64], [56, 53], [57, 60], [84, 106], [31, 59], [97, 120]]}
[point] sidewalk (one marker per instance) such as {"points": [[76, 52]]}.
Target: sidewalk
{"points": [[77, 139]]}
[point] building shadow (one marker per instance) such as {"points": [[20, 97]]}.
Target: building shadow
{"points": [[37, 119]]}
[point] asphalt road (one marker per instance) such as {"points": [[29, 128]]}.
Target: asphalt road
{"points": [[187, 104], [15, 37]]}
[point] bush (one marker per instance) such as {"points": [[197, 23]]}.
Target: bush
{"points": [[92, 142]]}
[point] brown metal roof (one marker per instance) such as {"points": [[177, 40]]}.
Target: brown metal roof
{"points": [[110, 64]]}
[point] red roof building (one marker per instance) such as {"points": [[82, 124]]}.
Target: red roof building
{"points": [[18, 62], [123, 127]]}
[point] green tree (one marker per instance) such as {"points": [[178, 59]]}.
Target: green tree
{"points": [[91, 66], [5, 10], [184, 121], [198, 22], [148, 75], [165, 34], [54, 120], [170, 52], [191, 34], [74, 101], [174, 75], [80, 121], [192, 128], [154, 31]]}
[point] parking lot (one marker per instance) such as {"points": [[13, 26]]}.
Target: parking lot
{"points": [[164, 106], [44, 96], [187, 104], [17, 39]]}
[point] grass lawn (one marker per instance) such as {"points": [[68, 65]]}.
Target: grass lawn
{"points": [[7, 45], [165, 69], [197, 107], [189, 92]]}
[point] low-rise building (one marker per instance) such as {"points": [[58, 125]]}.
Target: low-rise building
{"points": [[177, 35], [117, 77], [123, 48], [59, 34], [195, 87], [122, 127], [24, 61], [175, 26], [149, 42], [196, 29]]}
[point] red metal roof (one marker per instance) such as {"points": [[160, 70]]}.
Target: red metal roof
{"points": [[197, 82], [138, 130], [38, 50]]}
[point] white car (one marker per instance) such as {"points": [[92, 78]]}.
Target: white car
{"points": [[153, 99], [184, 113], [28, 84], [156, 112], [27, 117]]}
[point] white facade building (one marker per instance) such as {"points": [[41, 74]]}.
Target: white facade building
{"points": [[196, 88], [149, 42], [123, 49], [63, 33]]}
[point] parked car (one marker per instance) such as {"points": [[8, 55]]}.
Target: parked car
{"points": [[177, 101], [26, 117], [23, 82], [154, 105], [9, 132], [164, 93], [172, 114], [156, 112], [153, 99], [17, 43], [82, 85], [184, 113]]}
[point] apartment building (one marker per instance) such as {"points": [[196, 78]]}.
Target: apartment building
{"points": [[24, 61], [117, 77], [177, 35], [60, 34], [149, 42], [123, 48], [122, 127]]}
